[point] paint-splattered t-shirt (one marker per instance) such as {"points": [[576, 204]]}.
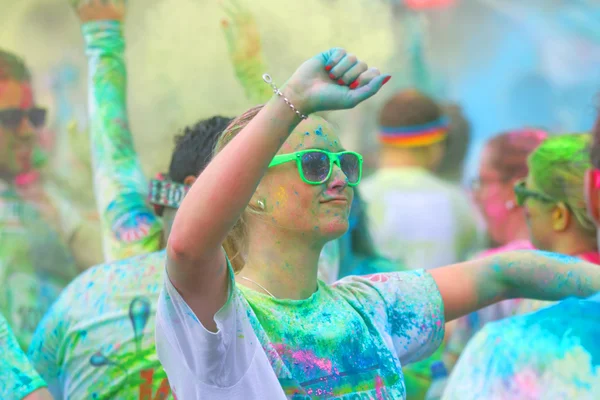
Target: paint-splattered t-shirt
{"points": [[35, 264], [346, 340], [97, 341], [17, 376], [552, 354], [418, 219]]}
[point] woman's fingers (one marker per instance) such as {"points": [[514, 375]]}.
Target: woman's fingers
{"points": [[332, 57], [345, 64], [369, 89], [353, 73], [364, 78]]}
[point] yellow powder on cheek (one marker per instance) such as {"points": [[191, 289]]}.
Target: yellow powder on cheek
{"points": [[281, 196]]}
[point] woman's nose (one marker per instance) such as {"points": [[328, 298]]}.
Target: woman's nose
{"points": [[338, 180]]}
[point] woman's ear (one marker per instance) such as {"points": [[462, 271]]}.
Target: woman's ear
{"points": [[561, 217], [189, 180]]}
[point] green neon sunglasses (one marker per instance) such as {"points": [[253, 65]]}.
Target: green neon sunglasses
{"points": [[315, 165], [522, 194]]}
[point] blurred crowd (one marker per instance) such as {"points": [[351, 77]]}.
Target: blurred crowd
{"points": [[426, 289]]}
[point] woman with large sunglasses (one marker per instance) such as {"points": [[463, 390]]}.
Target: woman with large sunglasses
{"points": [[253, 321]]}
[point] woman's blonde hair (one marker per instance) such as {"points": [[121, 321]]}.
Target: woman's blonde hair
{"points": [[558, 169], [235, 243]]}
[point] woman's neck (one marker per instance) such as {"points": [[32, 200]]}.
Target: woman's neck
{"points": [[575, 245], [286, 267]]}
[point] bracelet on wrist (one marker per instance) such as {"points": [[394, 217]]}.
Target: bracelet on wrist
{"points": [[269, 81]]}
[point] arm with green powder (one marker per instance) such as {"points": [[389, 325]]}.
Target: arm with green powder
{"points": [[245, 51], [128, 222], [472, 285]]}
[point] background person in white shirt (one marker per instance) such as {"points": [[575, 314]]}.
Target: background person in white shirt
{"points": [[416, 217]]}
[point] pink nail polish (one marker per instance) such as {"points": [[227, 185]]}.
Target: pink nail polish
{"points": [[341, 82], [332, 76], [386, 80]]}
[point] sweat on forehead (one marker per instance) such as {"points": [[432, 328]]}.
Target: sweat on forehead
{"points": [[315, 132]]}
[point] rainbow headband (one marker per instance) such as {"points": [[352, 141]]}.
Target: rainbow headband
{"points": [[415, 135]]}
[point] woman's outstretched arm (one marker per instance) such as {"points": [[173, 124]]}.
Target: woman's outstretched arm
{"points": [[129, 225], [472, 285], [196, 264]]}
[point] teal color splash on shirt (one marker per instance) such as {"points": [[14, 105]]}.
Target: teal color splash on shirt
{"points": [[17, 377]]}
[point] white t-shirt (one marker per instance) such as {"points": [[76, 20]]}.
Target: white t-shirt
{"points": [[348, 339], [418, 219]]}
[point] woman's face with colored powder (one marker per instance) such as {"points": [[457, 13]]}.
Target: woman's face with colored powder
{"points": [[16, 142], [322, 210], [492, 194]]}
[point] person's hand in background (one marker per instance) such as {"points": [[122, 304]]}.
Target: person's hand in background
{"points": [[245, 50], [99, 10]]}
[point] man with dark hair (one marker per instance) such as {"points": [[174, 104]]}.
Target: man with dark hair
{"points": [[41, 236], [97, 340], [194, 147], [193, 151]]}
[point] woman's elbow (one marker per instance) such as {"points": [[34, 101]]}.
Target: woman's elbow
{"points": [[178, 248]]}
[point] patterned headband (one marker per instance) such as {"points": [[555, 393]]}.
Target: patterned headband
{"points": [[166, 193], [415, 135]]}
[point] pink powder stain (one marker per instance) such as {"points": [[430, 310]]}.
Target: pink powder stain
{"points": [[378, 387], [494, 211], [305, 357], [528, 383], [377, 277], [27, 178]]}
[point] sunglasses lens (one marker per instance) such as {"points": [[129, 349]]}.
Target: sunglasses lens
{"points": [[11, 119], [350, 166], [37, 116], [315, 166]]}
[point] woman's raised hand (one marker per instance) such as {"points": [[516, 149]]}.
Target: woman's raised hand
{"points": [[99, 10], [333, 80]]}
